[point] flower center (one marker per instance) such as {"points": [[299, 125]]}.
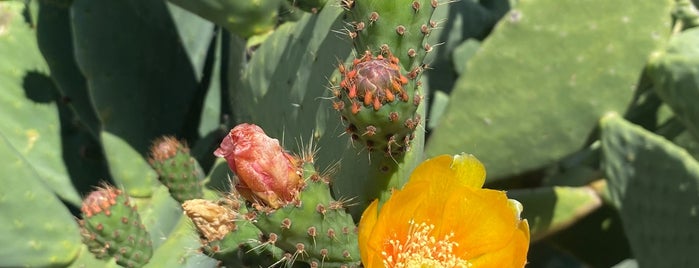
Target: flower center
{"points": [[421, 249]]}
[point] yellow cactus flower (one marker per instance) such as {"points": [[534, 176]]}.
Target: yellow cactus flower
{"points": [[443, 218]]}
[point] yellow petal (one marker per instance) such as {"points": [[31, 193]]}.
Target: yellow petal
{"points": [[465, 170], [512, 255], [366, 227]]}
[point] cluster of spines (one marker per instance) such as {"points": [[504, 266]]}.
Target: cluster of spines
{"points": [[111, 227], [177, 169]]}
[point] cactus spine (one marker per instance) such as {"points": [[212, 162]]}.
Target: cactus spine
{"points": [[112, 227]]}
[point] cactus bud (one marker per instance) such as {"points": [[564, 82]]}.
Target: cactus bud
{"points": [[111, 226], [266, 173], [176, 168]]}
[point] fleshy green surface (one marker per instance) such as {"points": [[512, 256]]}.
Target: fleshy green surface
{"points": [[48, 238], [181, 249], [675, 73], [55, 39], [523, 106], [128, 168], [554, 208], [245, 18], [655, 184], [143, 83], [29, 116]]}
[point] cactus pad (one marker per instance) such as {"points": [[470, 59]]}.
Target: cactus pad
{"points": [[655, 185]]}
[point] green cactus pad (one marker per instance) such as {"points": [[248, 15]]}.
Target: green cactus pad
{"points": [[27, 91], [177, 169], [400, 25], [244, 18], [112, 227], [537, 85], [675, 73], [551, 209], [46, 237], [55, 39], [128, 168], [180, 249], [142, 83], [317, 230], [655, 185]]}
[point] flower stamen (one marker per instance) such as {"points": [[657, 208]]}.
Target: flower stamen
{"points": [[422, 249]]}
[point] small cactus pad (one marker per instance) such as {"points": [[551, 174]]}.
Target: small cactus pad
{"points": [[401, 25], [177, 169], [378, 102], [111, 226]]}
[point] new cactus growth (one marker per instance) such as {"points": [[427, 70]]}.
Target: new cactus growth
{"points": [[112, 227], [176, 168]]}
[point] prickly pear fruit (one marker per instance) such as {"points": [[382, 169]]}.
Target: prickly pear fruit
{"points": [[177, 169], [112, 227], [317, 230], [378, 102], [401, 25]]}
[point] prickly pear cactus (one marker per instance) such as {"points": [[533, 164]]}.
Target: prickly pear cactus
{"points": [[519, 84], [111, 227]]}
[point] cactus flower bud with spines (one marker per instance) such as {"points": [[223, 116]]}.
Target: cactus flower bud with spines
{"points": [[112, 227], [379, 102], [266, 173], [176, 168]]}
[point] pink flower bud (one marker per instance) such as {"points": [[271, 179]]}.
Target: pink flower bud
{"points": [[266, 173]]}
